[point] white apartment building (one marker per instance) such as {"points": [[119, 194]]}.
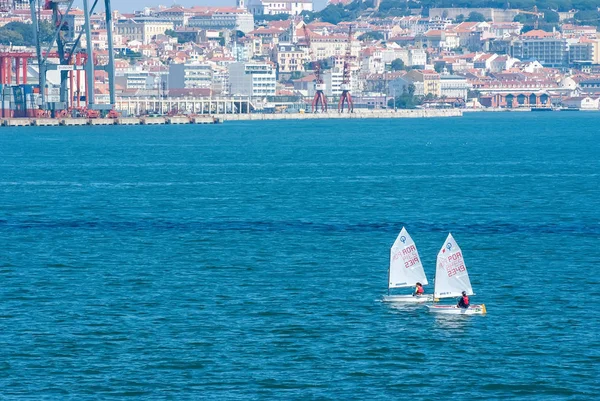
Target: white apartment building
{"points": [[272, 7], [323, 47], [409, 56], [253, 79], [454, 86], [134, 78], [333, 80], [190, 75], [221, 80], [372, 61]]}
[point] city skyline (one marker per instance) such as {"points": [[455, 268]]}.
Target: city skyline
{"points": [[134, 5]]}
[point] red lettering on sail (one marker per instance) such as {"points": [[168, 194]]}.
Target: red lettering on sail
{"points": [[455, 256], [411, 262], [409, 250]]}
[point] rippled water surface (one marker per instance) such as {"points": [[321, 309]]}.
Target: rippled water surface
{"points": [[248, 260]]}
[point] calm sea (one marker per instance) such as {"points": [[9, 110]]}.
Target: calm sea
{"points": [[248, 260]]}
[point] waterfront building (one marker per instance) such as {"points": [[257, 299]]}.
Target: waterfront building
{"points": [[453, 86], [194, 74], [581, 102], [133, 78], [255, 79]]}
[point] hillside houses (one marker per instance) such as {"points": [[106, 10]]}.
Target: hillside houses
{"points": [[192, 50]]}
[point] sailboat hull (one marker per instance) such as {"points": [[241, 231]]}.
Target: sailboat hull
{"points": [[455, 310], [408, 299]]}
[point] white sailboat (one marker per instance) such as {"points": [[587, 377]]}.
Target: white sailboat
{"points": [[406, 270], [451, 279]]}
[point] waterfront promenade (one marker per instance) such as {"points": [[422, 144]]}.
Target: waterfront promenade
{"points": [[218, 118]]}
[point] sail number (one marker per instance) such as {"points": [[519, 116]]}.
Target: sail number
{"points": [[452, 270], [411, 262], [455, 264], [410, 257]]}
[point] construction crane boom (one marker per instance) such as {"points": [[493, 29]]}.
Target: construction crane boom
{"points": [[535, 13]]}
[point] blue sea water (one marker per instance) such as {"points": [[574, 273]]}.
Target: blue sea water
{"points": [[248, 260]]}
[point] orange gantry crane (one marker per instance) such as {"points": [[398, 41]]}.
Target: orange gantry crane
{"points": [[320, 98], [346, 97]]}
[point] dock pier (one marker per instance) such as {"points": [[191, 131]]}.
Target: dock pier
{"points": [[219, 118]]}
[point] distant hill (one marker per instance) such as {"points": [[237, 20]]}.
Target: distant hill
{"points": [[335, 13]]}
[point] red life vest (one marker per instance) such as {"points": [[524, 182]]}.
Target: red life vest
{"points": [[465, 300], [420, 290]]}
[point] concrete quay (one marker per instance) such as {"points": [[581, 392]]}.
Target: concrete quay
{"points": [[70, 122], [361, 114], [17, 122], [219, 118], [178, 120], [45, 122], [153, 120], [73, 122]]}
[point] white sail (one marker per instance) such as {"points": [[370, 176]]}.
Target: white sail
{"points": [[451, 276], [406, 268]]}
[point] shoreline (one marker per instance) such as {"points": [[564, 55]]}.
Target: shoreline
{"points": [[362, 114], [219, 118]]}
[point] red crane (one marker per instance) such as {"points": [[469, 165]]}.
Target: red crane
{"points": [[346, 97], [320, 97]]}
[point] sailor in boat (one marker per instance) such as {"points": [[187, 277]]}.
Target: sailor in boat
{"points": [[463, 302], [418, 290]]}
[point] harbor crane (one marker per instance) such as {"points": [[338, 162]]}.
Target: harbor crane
{"points": [[346, 97], [66, 51], [320, 98]]}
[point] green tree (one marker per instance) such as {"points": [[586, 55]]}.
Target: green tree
{"points": [[520, 18], [397, 65], [369, 36], [332, 15], [21, 34], [476, 17], [551, 16], [459, 18], [8, 37], [407, 100]]}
